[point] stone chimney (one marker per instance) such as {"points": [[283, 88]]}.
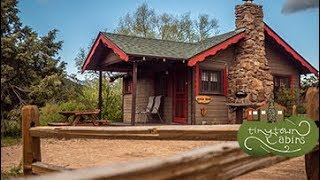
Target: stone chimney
{"points": [[250, 70]]}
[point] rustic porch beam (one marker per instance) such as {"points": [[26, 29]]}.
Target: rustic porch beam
{"points": [[134, 92], [193, 96]]}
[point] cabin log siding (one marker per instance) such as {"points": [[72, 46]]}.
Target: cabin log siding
{"points": [[281, 64], [145, 89], [217, 111]]}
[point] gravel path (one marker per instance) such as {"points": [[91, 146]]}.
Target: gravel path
{"points": [[79, 153]]}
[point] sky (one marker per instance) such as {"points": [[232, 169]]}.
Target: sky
{"points": [[79, 21]]}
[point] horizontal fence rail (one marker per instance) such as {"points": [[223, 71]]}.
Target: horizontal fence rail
{"points": [[44, 168], [183, 132], [218, 161]]}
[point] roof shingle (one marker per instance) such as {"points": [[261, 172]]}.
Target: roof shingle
{"points": [[141, 46]]}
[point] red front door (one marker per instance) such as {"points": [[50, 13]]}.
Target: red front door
{"points": [[180, 94]]}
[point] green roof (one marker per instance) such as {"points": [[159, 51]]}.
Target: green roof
{"points": [[140, 46]]}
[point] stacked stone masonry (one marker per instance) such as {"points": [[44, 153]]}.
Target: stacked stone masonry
{"points": [[250, 70]]}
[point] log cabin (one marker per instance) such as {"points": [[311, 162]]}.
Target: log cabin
{"points": [[252, 58]]}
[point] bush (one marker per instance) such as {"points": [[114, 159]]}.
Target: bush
{"points": [[50, 113], [72, 106], [111, 97], [15, 171], [287, 97], [12, 126], [301, 109]]}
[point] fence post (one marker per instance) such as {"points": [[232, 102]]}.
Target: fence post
{"points": [[31, 145], [312, 159]]}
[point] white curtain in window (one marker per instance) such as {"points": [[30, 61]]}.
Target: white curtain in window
{"points": [[213, 77], [204, 76]]}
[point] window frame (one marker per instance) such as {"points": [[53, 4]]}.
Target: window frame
{"points": [[220, 73], [127, 82], [281, 76]]}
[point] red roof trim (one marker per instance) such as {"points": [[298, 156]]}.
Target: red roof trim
{"points": [[290, 50], [213, 50], [110, 45]]}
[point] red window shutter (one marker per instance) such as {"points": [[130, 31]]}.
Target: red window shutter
{"points": [[197, 79], [225, 81]]}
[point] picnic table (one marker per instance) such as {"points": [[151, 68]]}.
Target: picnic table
{"points": [[82, 116]]}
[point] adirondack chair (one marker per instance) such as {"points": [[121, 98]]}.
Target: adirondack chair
{"points": [[148, 109], [156, 107]]}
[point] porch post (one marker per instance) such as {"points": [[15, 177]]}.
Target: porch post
{"points": [[134, 92], [100, 95], [193, 105]]}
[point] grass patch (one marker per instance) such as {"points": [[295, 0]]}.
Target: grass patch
{"points": [[14, 171], [10, 141]]}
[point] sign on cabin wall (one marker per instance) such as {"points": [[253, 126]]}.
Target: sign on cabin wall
{"points": [[203, 99]]}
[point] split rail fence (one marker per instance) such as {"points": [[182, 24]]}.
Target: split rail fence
{"points": [[220, 161]]}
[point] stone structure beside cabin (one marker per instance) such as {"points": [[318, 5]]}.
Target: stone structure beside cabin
{"points": [[250, 70], [252, 56]]}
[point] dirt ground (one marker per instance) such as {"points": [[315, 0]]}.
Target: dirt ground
{"points": [[79, 153]]}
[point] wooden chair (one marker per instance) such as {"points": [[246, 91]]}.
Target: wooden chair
{"points": [[156, 107], [148, 109]]}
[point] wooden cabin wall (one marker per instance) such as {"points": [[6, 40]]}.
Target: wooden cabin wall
{"points": [[217, 111], [145, 89], [280, 64]]}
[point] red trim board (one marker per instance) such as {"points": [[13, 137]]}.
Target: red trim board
{"points": [[213, 50], [196, 79], [225, 81], [110, 45], [290, 50]]}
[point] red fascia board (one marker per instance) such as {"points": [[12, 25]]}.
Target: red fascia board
{"points": [[110, 44], [213, 50], [290, 50]]}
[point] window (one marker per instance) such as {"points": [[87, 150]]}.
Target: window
{"points": [[210, 82], [281, 82], [127, 85], [161, 84]]}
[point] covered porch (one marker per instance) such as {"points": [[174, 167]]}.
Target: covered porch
{"points": [[143, 76]]}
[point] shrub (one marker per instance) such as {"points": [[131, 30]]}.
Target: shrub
{"points": [[287, 97], [15, 171], [50, 113], [112, 99], [72, 105], [12, 126], [301, 109]]}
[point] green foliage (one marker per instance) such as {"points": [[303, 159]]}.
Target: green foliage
{"points": [[145, 22], [301, 109], [112, 95], [12, 125], [87, 100], [9, 141], [15, 171], [31, 71], [50, 113], [287, 97], [307, 82]]}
